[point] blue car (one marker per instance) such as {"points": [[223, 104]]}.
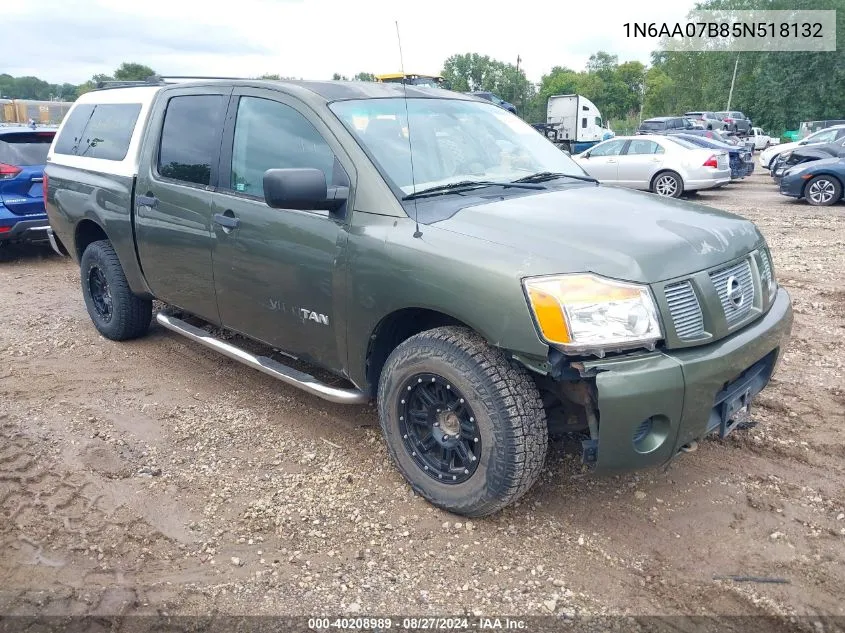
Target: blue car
{"points": [[819, 182], [23, 152], [741, 159]]}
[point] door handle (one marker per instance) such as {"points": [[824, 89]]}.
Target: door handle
{"points": [[611, 160], [147, 201], [227, 221]]}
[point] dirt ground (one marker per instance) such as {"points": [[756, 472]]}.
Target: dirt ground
{"points": [[159, 477]]}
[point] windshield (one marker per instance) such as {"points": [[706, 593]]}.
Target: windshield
{"points": [[26, 148], [822, 136], [452, 140]]}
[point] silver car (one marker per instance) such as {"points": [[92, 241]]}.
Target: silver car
{"points": [[665, 165]]}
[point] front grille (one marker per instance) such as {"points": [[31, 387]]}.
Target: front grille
{"points": [[685, 310], [735, 286]]}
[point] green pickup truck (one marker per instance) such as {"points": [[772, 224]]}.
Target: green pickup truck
{"points": [[429, 251]]}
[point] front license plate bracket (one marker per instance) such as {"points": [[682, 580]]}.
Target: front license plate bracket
{"points": [[736, 410]]}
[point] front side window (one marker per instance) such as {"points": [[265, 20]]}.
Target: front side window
{"points": [[190, 137], [610, 148], [271, 135], [101, 130], [452, 140]]}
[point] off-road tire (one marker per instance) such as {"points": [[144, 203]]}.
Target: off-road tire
{"points": [[679, 184], [130, 315], [509, 415], [823, 191]]}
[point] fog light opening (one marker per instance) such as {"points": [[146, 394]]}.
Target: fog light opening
{"points": [[650, 434]]}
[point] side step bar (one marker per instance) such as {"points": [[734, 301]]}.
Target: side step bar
{"points": [[288, 375]]}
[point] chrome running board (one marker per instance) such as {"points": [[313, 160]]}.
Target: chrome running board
{"points": [[288, 375]]}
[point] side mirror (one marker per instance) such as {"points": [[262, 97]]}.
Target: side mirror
{"points": [[303, 189], [585, 155]]}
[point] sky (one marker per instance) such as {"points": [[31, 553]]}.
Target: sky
{"points": [[70, 40]]}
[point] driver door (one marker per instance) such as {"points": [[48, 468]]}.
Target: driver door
{"points": [[279, 273], [602, 161]]}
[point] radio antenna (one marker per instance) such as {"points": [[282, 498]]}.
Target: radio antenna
{"points": [[417, 232]]}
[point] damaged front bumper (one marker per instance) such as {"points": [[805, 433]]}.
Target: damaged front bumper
{"points": [[650, 405]]}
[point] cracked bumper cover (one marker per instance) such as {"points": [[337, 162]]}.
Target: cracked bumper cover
{"points": [[680, 391]]}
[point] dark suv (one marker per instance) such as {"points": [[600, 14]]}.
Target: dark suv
{"points": [[660, 124]]}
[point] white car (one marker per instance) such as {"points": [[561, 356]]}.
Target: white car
{"points": [[762, 140], [828, 135], [664, 165]]}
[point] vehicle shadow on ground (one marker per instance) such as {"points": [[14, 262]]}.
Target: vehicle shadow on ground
{"points": [[30, 252]]}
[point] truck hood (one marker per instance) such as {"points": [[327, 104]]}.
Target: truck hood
{"points": [[609, 231]]}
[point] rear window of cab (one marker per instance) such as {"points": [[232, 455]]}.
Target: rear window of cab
{"points": [[101, 130]]}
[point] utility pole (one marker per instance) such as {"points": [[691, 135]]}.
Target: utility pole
{"points": [[522, 101], [731, 93]]}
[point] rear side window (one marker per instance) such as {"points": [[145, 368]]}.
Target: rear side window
{"points": [[190, 137], [25, 149], [643, 147], [100, 130]]}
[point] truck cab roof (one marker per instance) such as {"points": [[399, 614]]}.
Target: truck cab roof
{"points": [[143, 95]]}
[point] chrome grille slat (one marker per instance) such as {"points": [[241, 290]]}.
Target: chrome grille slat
{"points": [[685, 310], [742, 273]]}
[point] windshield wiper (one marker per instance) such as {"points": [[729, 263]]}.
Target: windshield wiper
{"points": [[543, 176], [453, 187]]}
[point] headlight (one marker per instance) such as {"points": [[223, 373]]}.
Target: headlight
{"points": [[767, 273], [587, 313]]}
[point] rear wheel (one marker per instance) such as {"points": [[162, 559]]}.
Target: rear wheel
{"points": [[823, 191], [116, 312], [464, 424], [668, 184]]}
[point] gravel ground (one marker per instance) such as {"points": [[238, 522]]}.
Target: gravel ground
{"points": [[159, 477]]}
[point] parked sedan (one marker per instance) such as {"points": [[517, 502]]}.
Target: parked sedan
{"points": [[665, 165], [741, 160], [820, 182], [801, 155], [827, 135], [23, 152]]}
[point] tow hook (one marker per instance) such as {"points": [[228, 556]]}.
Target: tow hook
{"points": [[691, 447]]}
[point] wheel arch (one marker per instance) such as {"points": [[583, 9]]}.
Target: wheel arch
{"points": [[86, 232], [398, 326], [832, 175], [665, 170]]}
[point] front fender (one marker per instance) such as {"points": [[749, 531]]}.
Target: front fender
{"points": [[476, 283]]}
